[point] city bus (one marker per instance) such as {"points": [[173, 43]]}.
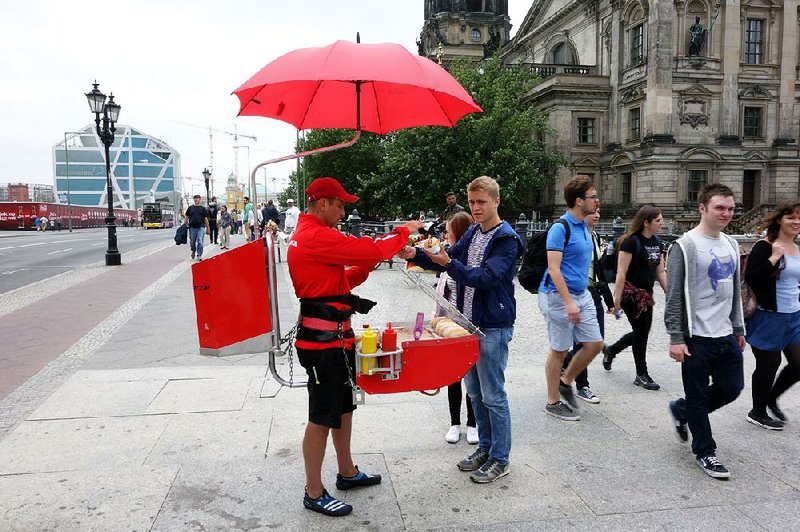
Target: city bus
{"points": [[158, 215]]}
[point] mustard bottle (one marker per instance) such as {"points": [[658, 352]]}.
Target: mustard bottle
{"points": [[369, 345]]}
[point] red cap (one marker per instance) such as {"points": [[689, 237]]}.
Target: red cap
{"points": [[328, 187]]}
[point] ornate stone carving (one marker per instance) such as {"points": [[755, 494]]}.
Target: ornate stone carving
{"points": [[632, 94], [694, 106], [755, 92]]}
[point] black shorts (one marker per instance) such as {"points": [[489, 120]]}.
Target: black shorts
{"points": [[329, 392]]}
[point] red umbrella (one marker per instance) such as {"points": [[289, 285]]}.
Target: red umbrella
{"points": [[328, 87]]}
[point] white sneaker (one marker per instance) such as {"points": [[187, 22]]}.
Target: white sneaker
{"points": [[453, 435], [472, 435]]}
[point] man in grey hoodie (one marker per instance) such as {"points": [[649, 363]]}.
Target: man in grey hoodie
{"points": [[704, 320]]}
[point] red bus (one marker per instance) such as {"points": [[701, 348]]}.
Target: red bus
{"points": [[22, 215]]}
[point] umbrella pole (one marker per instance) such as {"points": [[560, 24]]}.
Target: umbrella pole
{"points": [[315, 151]]}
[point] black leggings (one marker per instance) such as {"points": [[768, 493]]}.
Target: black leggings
{"points": [[637, 338], [766, 388], [454, 399]]}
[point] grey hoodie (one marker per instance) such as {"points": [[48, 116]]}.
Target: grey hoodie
{"points": [[678, 315]]}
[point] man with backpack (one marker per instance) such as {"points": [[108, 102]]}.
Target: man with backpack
{"points": [[564, 300]]}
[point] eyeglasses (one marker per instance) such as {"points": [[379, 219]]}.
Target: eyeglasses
{"points": [[594, 197]]}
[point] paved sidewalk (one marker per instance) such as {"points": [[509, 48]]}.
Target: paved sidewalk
{"points": [[145, 434]]}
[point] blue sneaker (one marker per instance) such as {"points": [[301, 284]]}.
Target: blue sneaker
{"points": [[327, 505], [359, 480]]}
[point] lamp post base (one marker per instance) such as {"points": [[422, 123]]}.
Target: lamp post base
{"points": [[113, 258]]}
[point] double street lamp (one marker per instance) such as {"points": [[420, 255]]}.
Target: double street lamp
{"points": [[110, 113]]}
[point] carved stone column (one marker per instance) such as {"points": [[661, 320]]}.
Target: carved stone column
{"points": [[788, 74], [731, 55], [616, 54], [658, 108]]}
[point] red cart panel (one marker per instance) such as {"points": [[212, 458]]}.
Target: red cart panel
{"points": [[232, 301], [426, 365]]}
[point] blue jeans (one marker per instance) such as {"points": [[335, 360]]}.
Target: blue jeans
{"points": [[485, 384], [196, 235], [721, 360]]}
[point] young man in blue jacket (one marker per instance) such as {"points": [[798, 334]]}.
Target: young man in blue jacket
{"points": [[483, 263]]}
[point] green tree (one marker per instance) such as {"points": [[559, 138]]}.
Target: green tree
{"points": [[505, 142]]}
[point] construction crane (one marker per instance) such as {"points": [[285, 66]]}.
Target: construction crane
{"points": [[235, 134]]}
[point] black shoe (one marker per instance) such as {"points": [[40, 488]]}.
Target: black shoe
{"points": [[608, 358], [764, 421], [680, 424], [474, 461], [359, 480], [646, 382], [713, 467], [327, 505], [773, 407], [568, 395]]}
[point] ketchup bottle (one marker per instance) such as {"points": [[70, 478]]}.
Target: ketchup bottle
{"points": [[389, 339]]}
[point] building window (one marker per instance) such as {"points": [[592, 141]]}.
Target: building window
{"points": [[697, 180], [752, 122], [754, 41], [635, 123], [475, 35], [637, 44], [586, 131], [626, 180], [560, 54]]}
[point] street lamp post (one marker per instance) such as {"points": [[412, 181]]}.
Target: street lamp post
{"points": [[110, 111], [206, 178]]}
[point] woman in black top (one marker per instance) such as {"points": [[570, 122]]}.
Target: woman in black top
{"points": [[639, 266], [773, 273]]}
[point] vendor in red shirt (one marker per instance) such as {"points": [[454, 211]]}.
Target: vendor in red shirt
{"points": [[318, 257]]}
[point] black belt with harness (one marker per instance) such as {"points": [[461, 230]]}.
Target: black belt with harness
{"points": [[327, 323]]}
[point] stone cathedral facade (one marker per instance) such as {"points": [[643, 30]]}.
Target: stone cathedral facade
{"points": [[655, 98]]}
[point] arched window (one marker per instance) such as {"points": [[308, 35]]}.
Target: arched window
{"points": [[560, 54], [635, 34]]}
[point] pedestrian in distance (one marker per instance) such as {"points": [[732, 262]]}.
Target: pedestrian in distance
{"points": [[38, 223], [773, 274], [318, 259], [44, 222], [452, 207], [292, 216], [196, 217], [269, 213], [639, 266], [251, 224], [483, 265], [565, 301], [703, 318], [448, 288], [246, 219], [600, 292], [213, 211], [225, 222]]}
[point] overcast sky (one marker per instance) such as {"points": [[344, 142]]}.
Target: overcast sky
{"points": [[168, 61]]}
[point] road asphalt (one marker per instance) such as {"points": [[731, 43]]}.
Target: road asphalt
{"points": [[119, 424]]}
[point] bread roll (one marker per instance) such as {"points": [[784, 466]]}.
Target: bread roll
{"points": [[442, 324], [455, 332], [435, 321]]}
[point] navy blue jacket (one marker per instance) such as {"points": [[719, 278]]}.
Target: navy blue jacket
{"points": [[493, 305]]}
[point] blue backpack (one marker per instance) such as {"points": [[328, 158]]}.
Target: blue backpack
{"points": [[181, 235]]}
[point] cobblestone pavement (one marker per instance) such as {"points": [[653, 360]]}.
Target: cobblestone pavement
{"points": [[140, 432]]}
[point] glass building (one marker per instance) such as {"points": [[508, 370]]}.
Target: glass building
{"points": [[143, 168]]}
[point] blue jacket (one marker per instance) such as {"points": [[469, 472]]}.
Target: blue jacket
{"points": [[493, 305]]}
